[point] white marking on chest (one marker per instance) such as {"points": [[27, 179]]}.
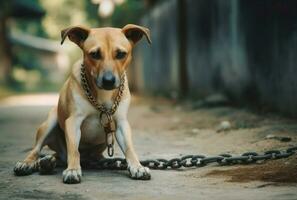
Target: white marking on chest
{"points": [[91, 129], [82, 105]]}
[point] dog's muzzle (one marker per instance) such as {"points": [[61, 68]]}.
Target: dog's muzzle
{"points": [[107, 81]]}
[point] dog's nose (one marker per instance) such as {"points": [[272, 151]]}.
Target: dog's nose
{"points": [[108, 80]]}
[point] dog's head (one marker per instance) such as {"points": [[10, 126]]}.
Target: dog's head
{"points": [[106, 51]]}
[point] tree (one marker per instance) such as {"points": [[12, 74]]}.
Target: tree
{"points": [[26, 9]]}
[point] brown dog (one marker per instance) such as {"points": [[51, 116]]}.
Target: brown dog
{"points": [[72, 128]]}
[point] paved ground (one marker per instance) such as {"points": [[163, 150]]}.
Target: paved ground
{"points": [[161, 129]]}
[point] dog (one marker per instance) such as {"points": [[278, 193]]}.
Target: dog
{"points": [[72, 129]]}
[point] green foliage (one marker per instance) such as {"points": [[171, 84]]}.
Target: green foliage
{"points": [[31, 27], [64, 13], [129, 12], [22, 11]]}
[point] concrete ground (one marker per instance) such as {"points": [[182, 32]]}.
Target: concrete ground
{"points": [[161, 129]]}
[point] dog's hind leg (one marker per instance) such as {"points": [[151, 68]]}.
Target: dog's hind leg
{"points": [[29, 165]]}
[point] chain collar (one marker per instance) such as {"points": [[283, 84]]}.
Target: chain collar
{"points": [[106, 119], [100, 107]]}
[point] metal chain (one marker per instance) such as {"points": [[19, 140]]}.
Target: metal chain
{"points": [[174, 163], [108, 124], [192, 160], [93, 101]]}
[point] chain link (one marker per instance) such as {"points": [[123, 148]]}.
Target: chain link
{"points": [[190, 161]]}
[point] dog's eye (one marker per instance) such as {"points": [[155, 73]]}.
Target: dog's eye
{"points": [[120, 55], [96, 55]]}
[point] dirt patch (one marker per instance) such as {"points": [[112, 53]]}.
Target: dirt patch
{"points": [[278, 171], [40, 194]]}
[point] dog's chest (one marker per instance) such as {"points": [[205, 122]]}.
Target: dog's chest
{"points": [[92, 131]]}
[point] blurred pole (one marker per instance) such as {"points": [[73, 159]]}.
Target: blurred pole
{"points": [[5, 54], [182, 43]]}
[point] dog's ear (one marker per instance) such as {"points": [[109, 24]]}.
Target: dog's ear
{"points": [[134, 33], [77, 34]]}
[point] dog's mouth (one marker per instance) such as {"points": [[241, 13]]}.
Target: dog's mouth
{"points": [[107, 87]]}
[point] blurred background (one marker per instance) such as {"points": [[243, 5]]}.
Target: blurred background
{"points": [[244, 50], [219, 77]]}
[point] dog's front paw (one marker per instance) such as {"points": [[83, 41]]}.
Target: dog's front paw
{"points": [[72, 176], [139, 172], [25, 168], [47, 164]]}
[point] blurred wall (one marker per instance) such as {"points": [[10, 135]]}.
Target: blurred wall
{"points": [[270, 29], [244, 48], [44, 55], [156, 65]]}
